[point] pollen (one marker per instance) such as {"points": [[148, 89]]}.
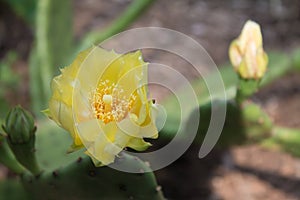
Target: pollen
{"points": [[110, 103]]}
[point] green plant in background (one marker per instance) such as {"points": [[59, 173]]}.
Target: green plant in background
{"points": [[7, 77], [24, 8], [9, 80], [54, 42]]}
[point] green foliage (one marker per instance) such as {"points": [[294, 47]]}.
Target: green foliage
{"points": [[54, 42], [7, 77], [8, 80], [24, 8]]}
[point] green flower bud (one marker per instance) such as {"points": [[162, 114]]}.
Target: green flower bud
{"points": [[19, 126], [20, 129]]}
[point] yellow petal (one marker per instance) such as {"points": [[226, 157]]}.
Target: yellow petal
{"points": [[138, 144], [235, 54], [246, 52], [124, 90], [251, 32]]}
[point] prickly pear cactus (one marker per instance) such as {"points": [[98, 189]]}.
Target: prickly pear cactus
{"points": [[74, 176], [54, 41], [82, 180]]}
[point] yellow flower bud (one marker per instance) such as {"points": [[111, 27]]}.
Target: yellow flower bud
{"points": [[111, 114], [246, 52]]}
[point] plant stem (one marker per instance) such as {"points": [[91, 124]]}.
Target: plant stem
{"points": [[245, 89], [8, 159], [287, 139]]}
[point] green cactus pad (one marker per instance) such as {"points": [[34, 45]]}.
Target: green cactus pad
{"points": [[82, 180]]}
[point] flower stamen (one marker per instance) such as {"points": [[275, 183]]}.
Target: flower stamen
{"points": [[110, 103]]}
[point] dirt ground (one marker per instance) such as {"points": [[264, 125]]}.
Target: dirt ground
{"points": [[247, 172]]}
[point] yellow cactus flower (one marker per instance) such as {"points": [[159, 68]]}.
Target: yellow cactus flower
{"points": [[101, 99], [246, 52]]}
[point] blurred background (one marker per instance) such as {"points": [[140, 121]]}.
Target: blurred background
{"points": [[248, 172]]}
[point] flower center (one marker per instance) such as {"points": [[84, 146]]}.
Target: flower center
{"points": [[110, 103]]}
